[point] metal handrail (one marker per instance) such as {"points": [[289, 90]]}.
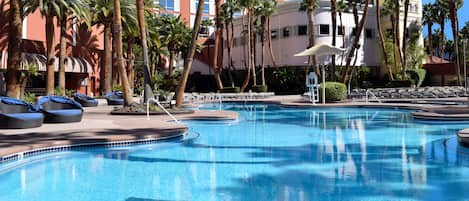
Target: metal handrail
{"points": [[220, 101], [372, 94], [159, 105]]}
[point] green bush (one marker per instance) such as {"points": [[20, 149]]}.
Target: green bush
{"points": [[335, 91], [169, 84], [259, 88], [29, 97], [230, 90], [117, 88], [417, 76]]}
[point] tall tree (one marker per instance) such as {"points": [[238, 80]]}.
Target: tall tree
{"points": [[218, 41], [265, 10], [102, 14], [341, 7], [442, 16], [334, 36], [228, 10], [309, 6], [120, 60], [405, 37], [190, 54], [13, 74], [143, 38], [48, 9], [382, 40], [453, 7], [76, 10], [356, 41], [429, 18], [174, 32], [248, 6]]}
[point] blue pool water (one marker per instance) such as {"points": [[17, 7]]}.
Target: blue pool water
{"points": [[270, 153]]}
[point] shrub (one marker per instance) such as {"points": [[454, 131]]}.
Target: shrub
{"points": [[259, 88], [335, 91], [117, 88], [29, 97], [417, 76], [230, 90]]}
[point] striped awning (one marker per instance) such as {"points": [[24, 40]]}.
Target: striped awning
{"points": [[72, 64]]}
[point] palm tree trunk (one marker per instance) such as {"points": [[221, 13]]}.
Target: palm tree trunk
{"points": [[229, 59], [382, 41], [395, 55], [120, 60], [312, 34], [430, 42], [171, 64], [148, 91], [454, 27], [130, 63], [269, 38], [253, 49], [334, 35], [441, 46], [115, 65], [62, 54], [190, 55], [50, 54], [356, 40], [397, 33], [14, 50], [218, 37], [263, 24], [248, 41], [343, 38], [404, 40], [107, 58]]}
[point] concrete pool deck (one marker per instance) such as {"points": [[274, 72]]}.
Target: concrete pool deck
{"points": [[98, 127]]}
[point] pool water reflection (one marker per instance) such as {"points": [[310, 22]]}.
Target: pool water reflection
{"points": [[270, 153]]}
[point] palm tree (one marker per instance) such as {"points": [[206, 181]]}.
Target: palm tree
{"points": [[453, 7], [218, 41], [356, 40], [174, 31], [102, 14], [429, 17], [48, 9], [143, 38], [406, 33], [228, 10], [190, 54], [309, 6], [341, 7], [265, 10], [382, 40], [248, 6], [442, 16], [14, 49], [79, 9], [120, 60], [334, 35]]}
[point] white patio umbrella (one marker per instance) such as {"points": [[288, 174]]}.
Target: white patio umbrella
{"points": [[320, 50]]}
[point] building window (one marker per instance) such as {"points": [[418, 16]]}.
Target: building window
{"points": [[302, 30], [369, 33], [340, 30], [206, 6], [167, 4], [286, 32], [274, 34], [324, 29]]}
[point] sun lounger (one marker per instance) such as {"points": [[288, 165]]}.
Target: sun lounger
{"points": [[85, 100], [58, 109], [15, 114]]}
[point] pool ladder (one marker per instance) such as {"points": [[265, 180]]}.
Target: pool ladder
{"points": [[159, 105], [368, 92]]}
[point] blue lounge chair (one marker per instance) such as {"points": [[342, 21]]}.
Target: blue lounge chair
{"points": [[59, 109], [85, 100], [16, 114], [115, 98]]}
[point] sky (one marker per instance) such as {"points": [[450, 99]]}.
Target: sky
{"points": [[463, 15]]}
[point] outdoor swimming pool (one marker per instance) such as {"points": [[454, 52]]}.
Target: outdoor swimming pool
{"points": [[270, 153]]}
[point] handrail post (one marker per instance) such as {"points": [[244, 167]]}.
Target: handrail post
{"points": [[159, 105]]}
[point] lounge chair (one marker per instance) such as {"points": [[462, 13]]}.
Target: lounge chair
{"points": [[15, 114], [115, 98], [59, 109], [85, 100]]}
